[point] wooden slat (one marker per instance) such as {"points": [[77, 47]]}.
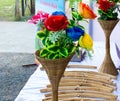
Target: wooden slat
{"points": [[88, 80], [81, 94], [78, 66], [84, 84], [76, 79], [93, 94], [89, 73], [65, 88], [81, 66], [107, 81], [86, 99], [79, 99]]}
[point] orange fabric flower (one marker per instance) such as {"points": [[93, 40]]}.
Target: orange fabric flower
{"points": [[85, 11]]}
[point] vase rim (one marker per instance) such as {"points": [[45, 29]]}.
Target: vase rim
{"points": [[36, 53], [108, 20]]}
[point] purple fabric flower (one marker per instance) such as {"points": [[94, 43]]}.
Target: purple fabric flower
{"points": [[58, 13], [75, 32]]}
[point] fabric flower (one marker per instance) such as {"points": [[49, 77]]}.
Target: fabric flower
{"points": [[56, 22], [58, 13], [86, 42], [43, 15], [85, 11], [75, 32], [39, 16], [34, 19], [105, 5]]}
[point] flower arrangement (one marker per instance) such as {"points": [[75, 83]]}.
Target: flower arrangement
{"points": [[108, 9], [61, 36]]}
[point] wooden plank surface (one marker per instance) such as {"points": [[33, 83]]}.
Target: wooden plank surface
{"points": [[83, 86]]}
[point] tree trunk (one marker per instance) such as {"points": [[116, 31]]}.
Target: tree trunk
{"points": [[32, 6], [17, 10]]}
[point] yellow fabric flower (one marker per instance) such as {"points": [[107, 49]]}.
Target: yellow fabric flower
{"points": [[86, 41]]}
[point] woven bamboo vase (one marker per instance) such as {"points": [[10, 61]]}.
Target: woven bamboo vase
{"points": [[108, 66], [54, 69]]}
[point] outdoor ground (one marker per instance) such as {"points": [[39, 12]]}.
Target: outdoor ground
{"points": [[16, 49], [12, 75]]}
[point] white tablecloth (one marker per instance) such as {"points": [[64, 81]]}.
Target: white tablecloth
{"points": [[38, 80]]}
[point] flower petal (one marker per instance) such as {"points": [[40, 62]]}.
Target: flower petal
{"points": [[85, 11], [75, 32], [56, 22], [86, 42]]}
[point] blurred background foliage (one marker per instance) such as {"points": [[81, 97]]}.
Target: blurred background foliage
{"points": [[8, 9]]}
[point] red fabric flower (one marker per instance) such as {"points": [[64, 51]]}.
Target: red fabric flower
{"points": [[56, 22], [105, 5]]}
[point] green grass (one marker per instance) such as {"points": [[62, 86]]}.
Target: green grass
{"points": [[7, 11]]}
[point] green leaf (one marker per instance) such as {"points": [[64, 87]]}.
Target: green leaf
{"points": [[79, 17], [56, 56], [53, 48], [53, 56], [72, 49], [50, 55], [41, 35], [43, 52], [44, 41], [64, 52], [71, 22], [74, 14], [48, 43]]}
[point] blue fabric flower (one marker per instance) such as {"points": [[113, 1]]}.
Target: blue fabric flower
{"points": [[75, 32], [58, 13]]}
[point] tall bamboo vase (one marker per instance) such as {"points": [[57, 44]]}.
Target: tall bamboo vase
{"points": [[54, 69], [108, 66]]}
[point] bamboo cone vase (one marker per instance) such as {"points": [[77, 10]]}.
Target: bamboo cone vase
{"points": [[54, 69], [108, 66]]}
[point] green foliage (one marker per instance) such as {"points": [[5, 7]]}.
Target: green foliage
{"points": [[44, 52], [73, 2], [7, 10], [115, 0], [56, 44], [111, 12], [71, 22], [41, 35], [107, 15], [63, 52], [54, 52], [55, 36], [76, 16]]}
